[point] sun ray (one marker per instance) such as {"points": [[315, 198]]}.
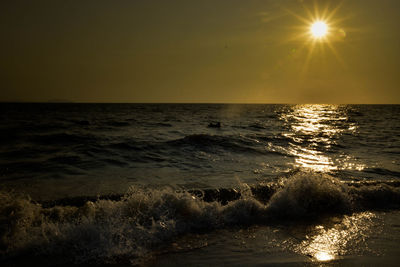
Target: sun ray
{"points": [[316, 10], [302, 19], [320, 31], [309, 13], [334, 11], [325, 11]]}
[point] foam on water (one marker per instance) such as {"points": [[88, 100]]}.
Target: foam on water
{"points": [[309, 195], [143, 220]]}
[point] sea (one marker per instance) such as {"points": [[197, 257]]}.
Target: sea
{"points": [[199, 184]]}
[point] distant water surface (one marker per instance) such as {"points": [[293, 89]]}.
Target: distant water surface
{"points": [[286, 163], [106, 147]]}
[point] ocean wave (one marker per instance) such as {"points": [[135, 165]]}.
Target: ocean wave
{"points": [[382, 171], [234, 144], [158, 124], [132, 226], [257, 126], [128, 145], [63, 139], [115, 123]]}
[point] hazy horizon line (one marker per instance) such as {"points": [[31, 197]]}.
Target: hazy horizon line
{"points": [[190, 103]]}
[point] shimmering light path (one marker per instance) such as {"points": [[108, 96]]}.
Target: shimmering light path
{"points": [[314, 129]]}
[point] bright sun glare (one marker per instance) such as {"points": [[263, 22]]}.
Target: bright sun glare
{"points": [[319, 29]]}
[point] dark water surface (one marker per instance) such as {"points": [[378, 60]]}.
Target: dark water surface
{"points": [[319, 179], [106, 147]]}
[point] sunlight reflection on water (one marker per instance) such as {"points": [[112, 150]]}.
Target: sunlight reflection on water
{"points": [[314, 129], [329, 243]]}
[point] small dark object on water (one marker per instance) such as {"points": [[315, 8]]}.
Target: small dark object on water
{"points": [[214, 124]]}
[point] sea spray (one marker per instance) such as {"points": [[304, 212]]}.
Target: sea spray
{"points": [[144, 220], [309, 195]]}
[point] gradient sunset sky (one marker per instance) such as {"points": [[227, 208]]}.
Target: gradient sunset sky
{"points": [[213, 51]]}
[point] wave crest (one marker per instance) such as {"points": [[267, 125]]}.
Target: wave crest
{"points": [[310, 196], [141, 221]]}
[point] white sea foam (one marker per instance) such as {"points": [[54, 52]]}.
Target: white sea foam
{"points": [[146, 219]]}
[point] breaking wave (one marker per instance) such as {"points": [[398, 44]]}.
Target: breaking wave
{"points": [[132, 226]]}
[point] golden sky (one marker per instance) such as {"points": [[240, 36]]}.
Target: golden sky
{"points": [[218, 51]]}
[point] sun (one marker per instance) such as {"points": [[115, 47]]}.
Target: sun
{"points": [[319, 29]]}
